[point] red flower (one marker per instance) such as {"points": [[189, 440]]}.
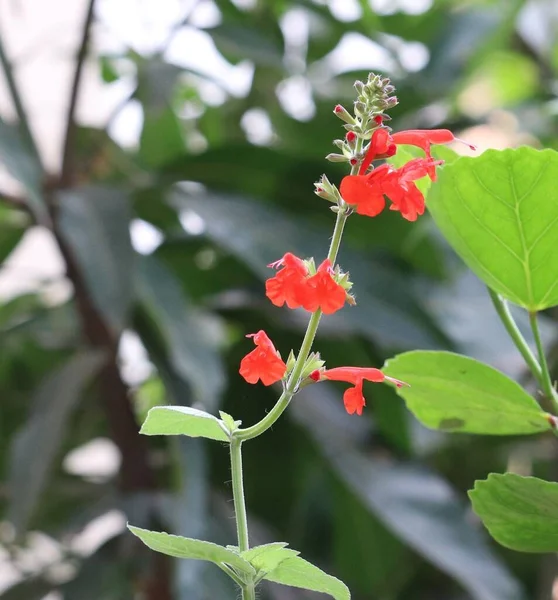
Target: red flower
{"points": [[263, 362], [321, 291], [293, 285], [353, 398], [367, 192], [383, 144], [285, 287]]}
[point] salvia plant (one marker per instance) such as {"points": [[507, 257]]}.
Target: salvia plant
{"points": [[499, 211]]}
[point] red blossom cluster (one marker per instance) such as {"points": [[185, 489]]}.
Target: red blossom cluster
{"points": [[298, 284], [367, 191], [294, 286]]}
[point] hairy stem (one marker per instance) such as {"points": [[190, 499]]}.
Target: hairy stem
{"points": [[248, 589], [305, 348], [294, 379]]}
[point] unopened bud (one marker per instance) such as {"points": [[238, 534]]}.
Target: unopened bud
{"points": [[315, 375], [359, 86], [378, 119], [351, 137], [360, 108], [392, 101], [353, 162], [343, 114], [336, 158], [339, 144]]}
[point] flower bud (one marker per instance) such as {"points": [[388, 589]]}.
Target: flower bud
{"points": [[360, 108], [351, 137], [359, 86], [353, 162], [336, 158], [339, 144], [343, 114]]}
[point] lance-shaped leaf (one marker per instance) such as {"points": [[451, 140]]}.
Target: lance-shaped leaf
{"points": [[455, 393], [35, 446], [183, 420], [499, 211], [520, 513], [297, 572], [95, 223], [182, 547]]}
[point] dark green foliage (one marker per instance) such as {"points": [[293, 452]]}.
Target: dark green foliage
{"points": [[378, 501]]}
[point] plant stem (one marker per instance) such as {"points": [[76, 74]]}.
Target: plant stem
{"points": [[305, 348], [293, 382], [546, 382], [507, 319], [248, 590]]}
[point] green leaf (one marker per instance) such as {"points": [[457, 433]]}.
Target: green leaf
{"points": [[181, 547], [299, 573], [161, 137], [499, 211], [43, 433], [456, 393], [520, 513], [413, 502], [268, 557], [188, 331], [95, 223], [183, 420], [24, 166]]}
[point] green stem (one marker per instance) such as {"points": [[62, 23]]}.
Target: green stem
{"points": [[248, 589], [507, 319], [305, 348], [546, 383]]}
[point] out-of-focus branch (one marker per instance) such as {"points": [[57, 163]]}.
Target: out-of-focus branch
{"points": [[69, 137], [7, 68]]}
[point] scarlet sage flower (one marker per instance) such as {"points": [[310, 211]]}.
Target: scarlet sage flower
{"points": [[321, 291], [286, 286], [383, 144], [353, 398], [367, 192], [263, 362], [294, 286]]}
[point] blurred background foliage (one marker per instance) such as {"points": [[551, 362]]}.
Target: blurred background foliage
{"points": [[164, 216]]}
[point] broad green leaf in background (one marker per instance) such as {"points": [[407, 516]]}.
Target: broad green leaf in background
{"points": [[95, 222], [499, 211], [520, 513], [297, 572], [414, 503], [455, 393], [268, 557], [181, 547], [386, 309], [188, 331], [24, 166], [183, 420], [36, 444]]}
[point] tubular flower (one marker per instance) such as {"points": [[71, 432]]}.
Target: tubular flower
{"points": [[263, 362], [367, 192], [353, 398], [294, 286], [321, 291], [383, 144], [285, 287]]}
